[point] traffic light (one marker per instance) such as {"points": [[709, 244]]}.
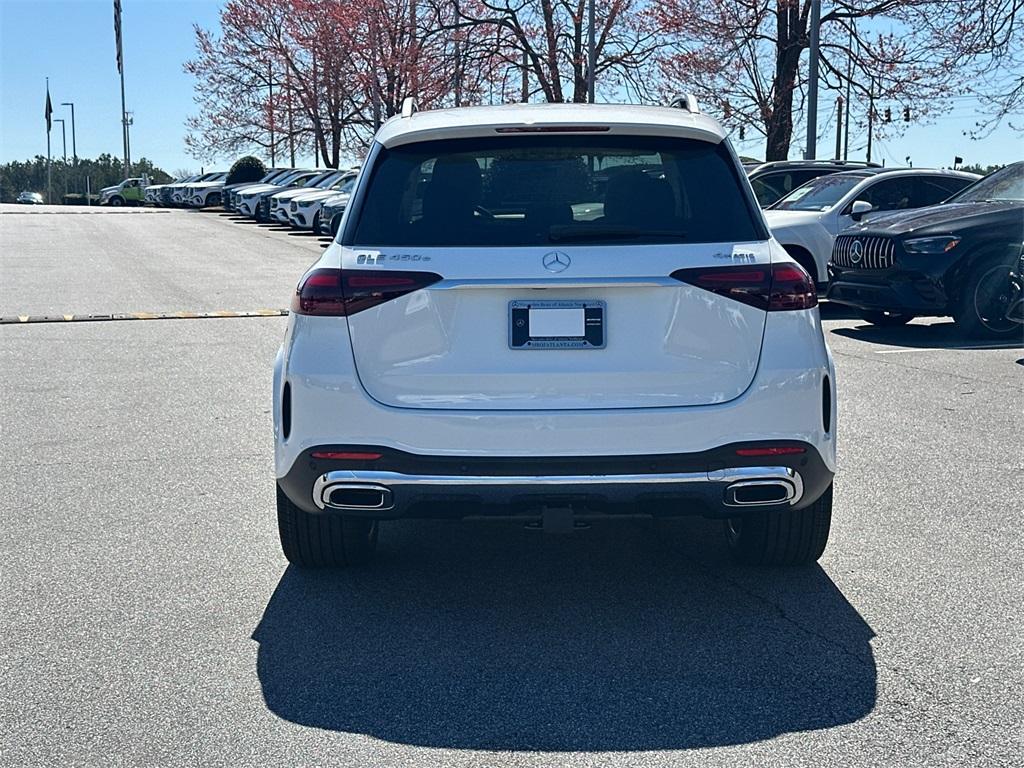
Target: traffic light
{"points": [[888, 115], [906, 114], [743, 133]]}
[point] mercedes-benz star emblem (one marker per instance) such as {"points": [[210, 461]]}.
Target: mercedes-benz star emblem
{"points": [[556, 261], [856, 251]]}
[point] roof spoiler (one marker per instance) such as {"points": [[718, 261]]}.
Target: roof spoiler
{"points": [[685, 101]]}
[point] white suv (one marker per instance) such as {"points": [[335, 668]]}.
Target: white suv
{"points": [[556, 312]]}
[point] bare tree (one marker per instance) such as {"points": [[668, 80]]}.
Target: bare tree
{"points": [[744, 57], [321, 75], [544, 43]]}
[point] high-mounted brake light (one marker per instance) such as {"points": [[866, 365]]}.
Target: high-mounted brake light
{"points": [[772, 287], [337, 292], [554, 129]]}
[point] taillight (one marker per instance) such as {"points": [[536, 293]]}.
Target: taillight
{"points": [[771, 287], [340, 292], [792, 288]]}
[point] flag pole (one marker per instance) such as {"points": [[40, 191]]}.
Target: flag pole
{"points": [[49, 177]]}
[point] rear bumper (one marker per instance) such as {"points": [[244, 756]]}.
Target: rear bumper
{"points": [[715, 483]]}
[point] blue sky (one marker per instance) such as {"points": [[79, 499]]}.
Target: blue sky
{"points": [[72, 41]]}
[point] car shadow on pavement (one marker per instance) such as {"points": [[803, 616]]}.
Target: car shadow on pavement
{"points": [[932, 335], [633, 635], [831, 311]]}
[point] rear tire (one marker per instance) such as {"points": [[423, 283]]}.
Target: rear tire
{"points": [[325, 540], [885, 319], [789, 537]]}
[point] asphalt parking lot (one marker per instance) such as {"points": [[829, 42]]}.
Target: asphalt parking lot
{"points": [[149, 618]]}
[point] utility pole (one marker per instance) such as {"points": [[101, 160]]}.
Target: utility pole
{"points": [[374, 34], [291, 128], [591, 54], [270, 106], [120, 70], [526, 78], [414, 58], [839, 125], [871, 115], [458, 57], [316, 102], [812, 85], [849, 104]]}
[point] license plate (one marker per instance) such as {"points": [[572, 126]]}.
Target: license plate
{"points": [[556, 324]]}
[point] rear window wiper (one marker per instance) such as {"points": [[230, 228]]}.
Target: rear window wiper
{"points": [[568, 234]]}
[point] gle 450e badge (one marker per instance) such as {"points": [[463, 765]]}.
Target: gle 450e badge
{"points": [[379, 259]]}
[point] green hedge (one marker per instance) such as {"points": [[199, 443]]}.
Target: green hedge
{"points": [[77, 199], [246, 168]]}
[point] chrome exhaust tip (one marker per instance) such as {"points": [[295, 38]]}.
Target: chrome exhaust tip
{"points": [[757, 493], [354, 497]]}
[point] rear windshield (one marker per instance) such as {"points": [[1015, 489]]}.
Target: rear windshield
{"points": [[536, 190], [1002, 185]]}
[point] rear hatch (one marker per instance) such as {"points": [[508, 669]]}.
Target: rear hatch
{"points": [[543, 269]]}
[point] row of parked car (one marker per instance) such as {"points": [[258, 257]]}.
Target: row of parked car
{"points": [[305, 199], [893, 243], [896, 244]]}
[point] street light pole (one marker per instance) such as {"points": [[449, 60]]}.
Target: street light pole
{"points": [[812, 84], [64, 139], [74, 146], [63, 136], [129, 121]]}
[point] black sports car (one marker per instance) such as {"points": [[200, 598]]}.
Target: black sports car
{"points": [[956, 258]]}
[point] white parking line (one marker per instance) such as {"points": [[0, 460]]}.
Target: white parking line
{"points": [[935, 349]]}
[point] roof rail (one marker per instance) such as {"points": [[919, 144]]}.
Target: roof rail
{"points": [[685, 101], [409, 106]]}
